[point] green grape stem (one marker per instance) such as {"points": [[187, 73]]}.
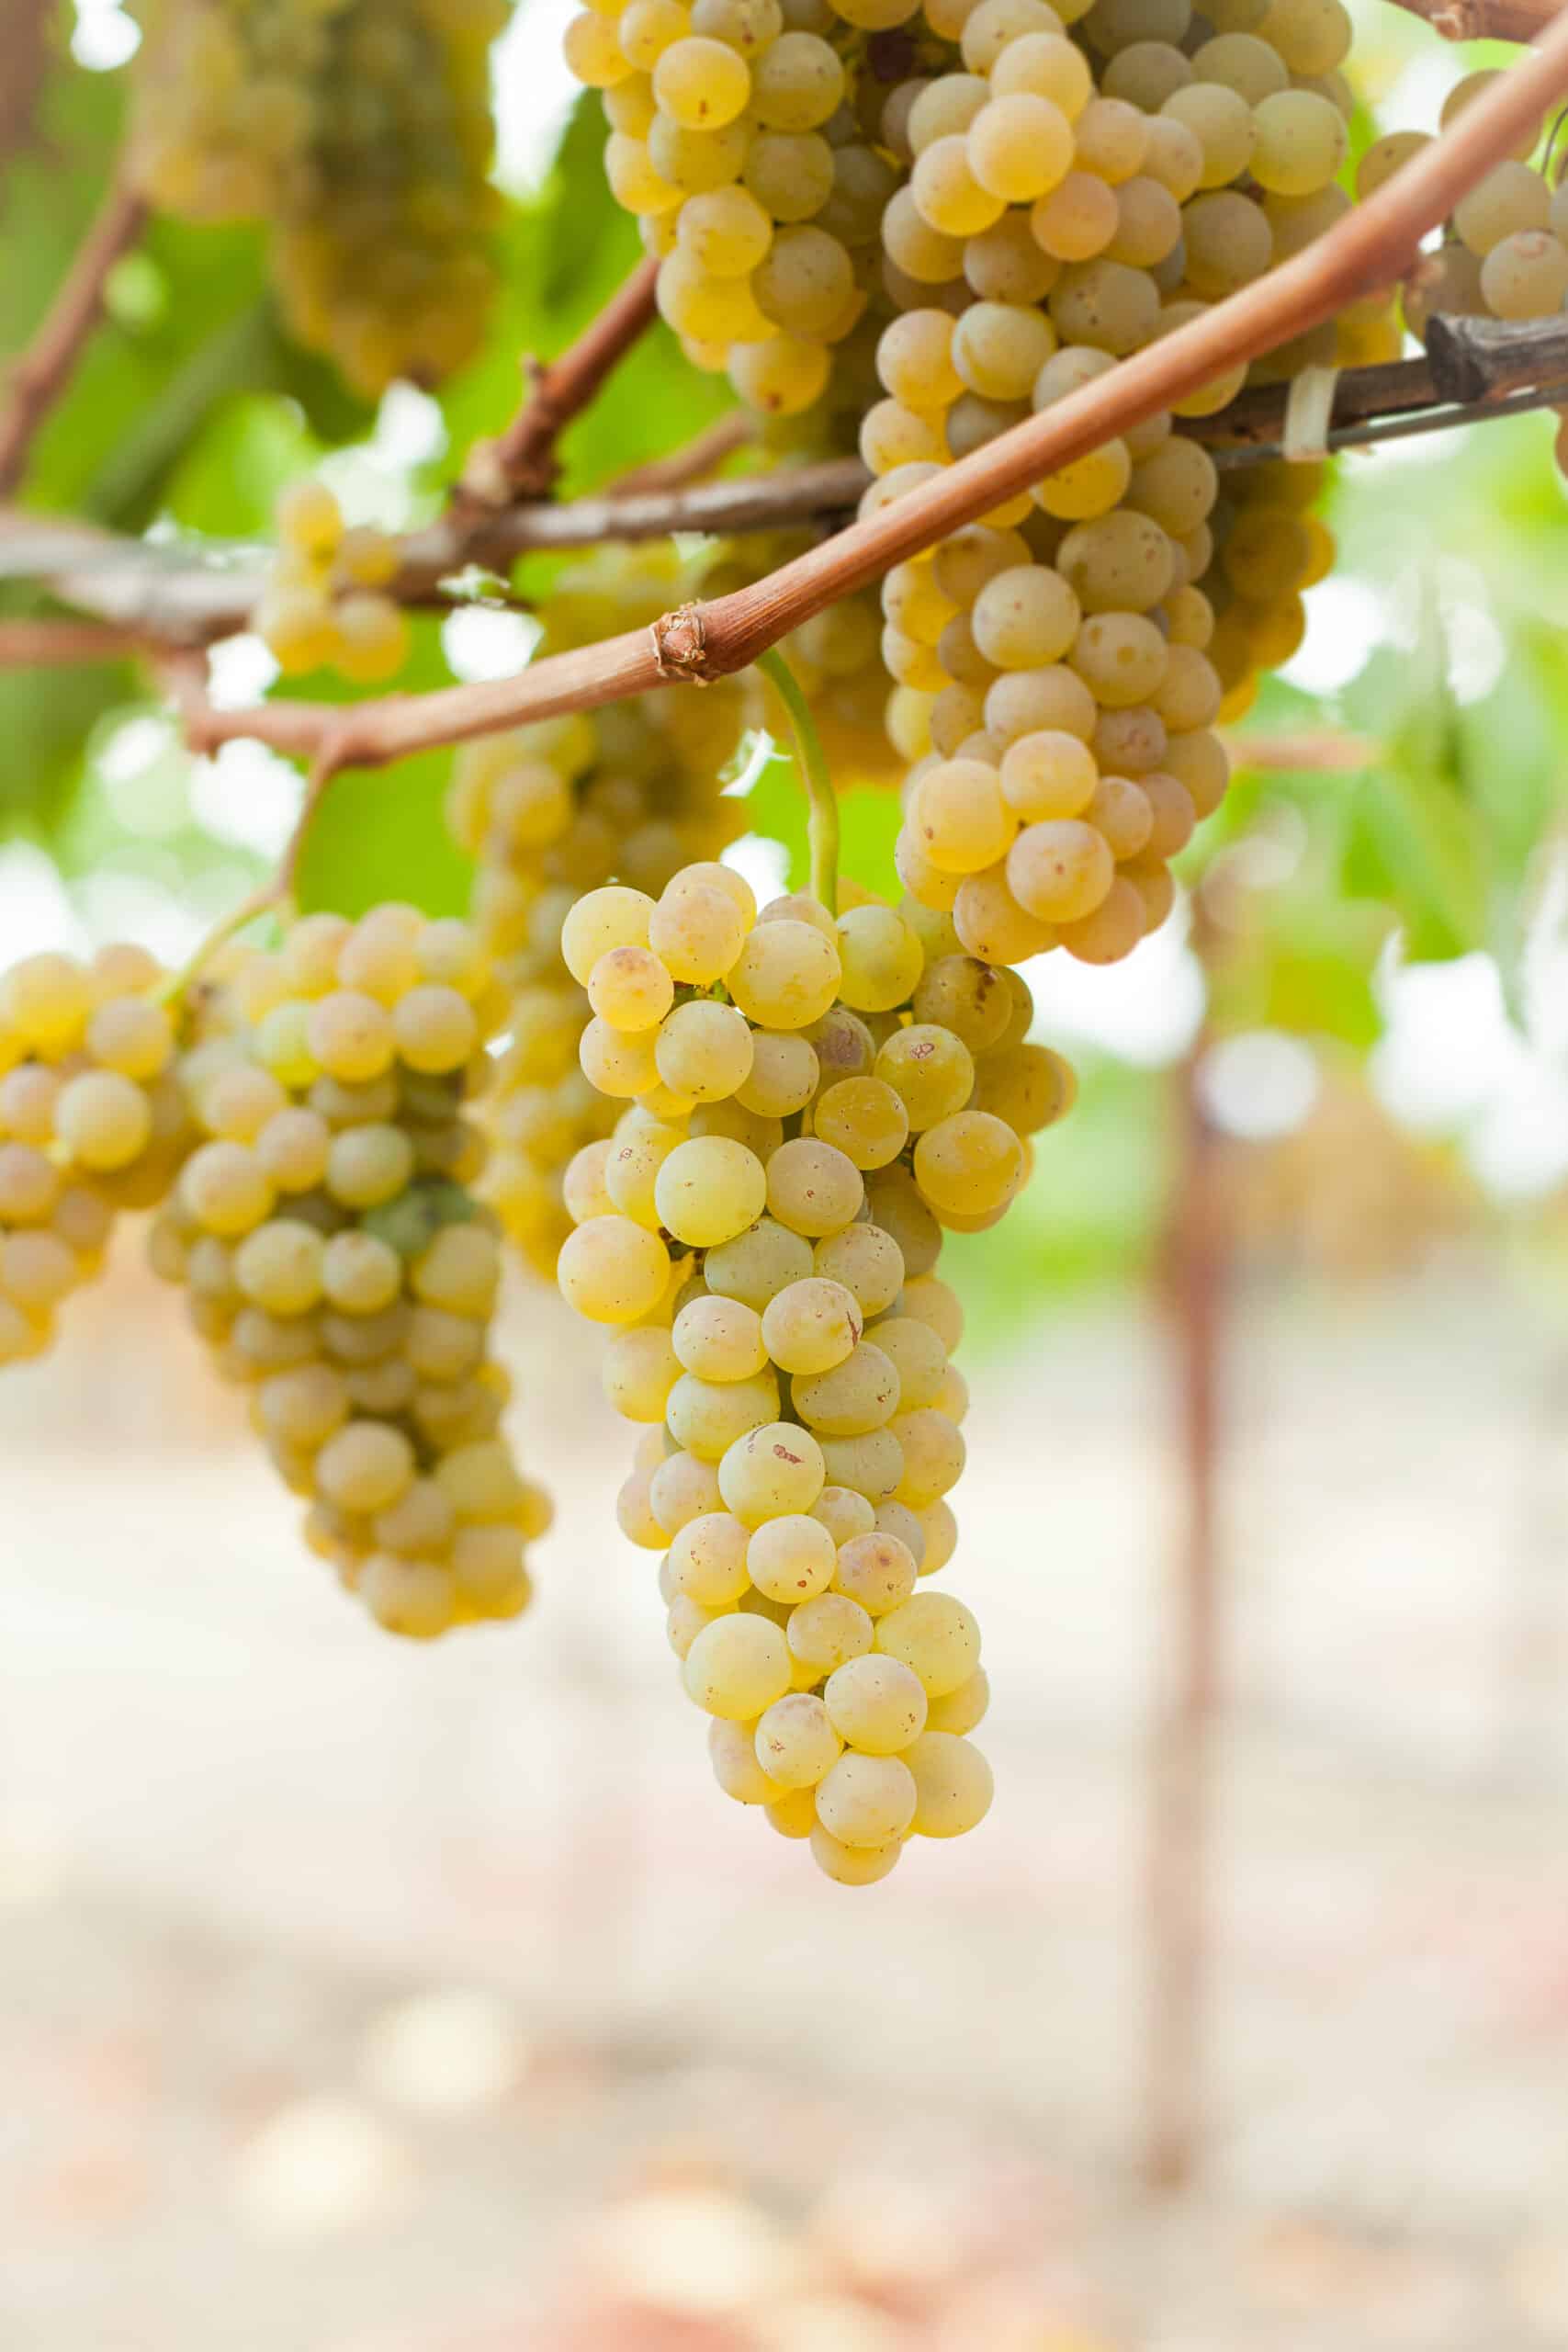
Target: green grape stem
{"points": [[822, 824], [275, 893]]}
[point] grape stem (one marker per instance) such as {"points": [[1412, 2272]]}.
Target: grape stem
{"points": [[259, 902], [173, 599], [822, 823], [275, 893], [521, 462]]}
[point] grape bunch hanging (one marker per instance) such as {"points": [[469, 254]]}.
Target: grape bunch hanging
{"points": [[333, 1256], [736, 1136], [1052, 199], [360, 132], [810, 1102]]}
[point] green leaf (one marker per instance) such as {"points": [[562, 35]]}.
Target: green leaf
{"points": [[46, 720], [381, 832]]}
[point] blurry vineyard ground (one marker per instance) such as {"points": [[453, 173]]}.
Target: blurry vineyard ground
{"points": [[342, 1984]]}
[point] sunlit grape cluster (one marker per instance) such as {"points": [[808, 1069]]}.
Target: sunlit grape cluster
{"points": [[734, 139], [334, 1259], [1072, 196], [323, 605], [552, 810], [1055, 195], [91, 1121], [808, 1102], [360, 132]]}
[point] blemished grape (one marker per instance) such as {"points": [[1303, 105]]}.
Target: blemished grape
{"points": [[867, 1800], [736, 1666], [954, 1786]]}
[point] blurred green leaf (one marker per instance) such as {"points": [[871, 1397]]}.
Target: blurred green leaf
{"points": [[381, 832]]}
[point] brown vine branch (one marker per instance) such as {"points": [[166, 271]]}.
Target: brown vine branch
{"points": [[62, 644], [30, 25], [1368, 249], [37, 379], [521, 462], [1322, 750], [1468, 375], [1521, 20]]}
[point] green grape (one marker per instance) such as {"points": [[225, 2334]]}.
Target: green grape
{"points": [[736, 1666], [797, 84], [1060, 870], [1025, 617], [792, 1558], [876, 1570], [856, 1396], [758, 1264], [1221, 120], [866, 1260], [948, 197], [786, 976], [613, 1270], [805, 284], [709, 1190], [704, 1050], [874, 1705], [771, 1471], [707, 1560], [812, 1188], [852, 1865], [934, 1635], [1301, 143], [1017, 147], [1525, 275], [798, 1742], [826, 1631], [733, 1753], [866, 1800], [1145, 74], [708, 1417], [719, 1339], [953, 1785]]}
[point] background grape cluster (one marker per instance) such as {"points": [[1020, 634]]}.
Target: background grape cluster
{"points": [[360, 132], [91, 1121], [333, 1255]]}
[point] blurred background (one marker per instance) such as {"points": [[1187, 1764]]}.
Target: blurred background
{"points": [[357, 1998]]}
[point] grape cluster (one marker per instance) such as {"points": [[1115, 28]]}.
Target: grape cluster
{"points": [[1070, 199], [360, 132], [333, 1257], [323, 605], [734, 139], [549, 812], [1504, 251], [809, 1105], [1054, 196], [91, 1121]]}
